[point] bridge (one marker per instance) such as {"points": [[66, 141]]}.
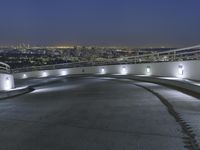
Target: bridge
{"points": [[143, 104]]}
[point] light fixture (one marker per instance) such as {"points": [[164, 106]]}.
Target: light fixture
{"points": [[103, 70], [148, 69], [124, 70], [44, 74], [180, 69], [8, 84], [63, 73], [24, 76]]}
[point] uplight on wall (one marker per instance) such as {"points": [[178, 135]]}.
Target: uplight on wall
{"points": [[8, 83], [103, 70], [148, 69], [180, 69], [63, 73], [24, 76], [124, 70], [44, 74]]}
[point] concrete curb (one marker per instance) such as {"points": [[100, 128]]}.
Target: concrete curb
{"points": [[175, 83], [13, 93], [180, 85]]}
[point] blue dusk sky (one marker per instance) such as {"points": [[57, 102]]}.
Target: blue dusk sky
{"points": [[135, 23]]}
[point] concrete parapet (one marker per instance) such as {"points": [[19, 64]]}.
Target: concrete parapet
{"points": [[181, 69]]}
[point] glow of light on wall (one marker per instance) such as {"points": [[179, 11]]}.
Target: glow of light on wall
{"points": [[63, 73], [24, 76], [103, 71], [44, 74], [148, 69], [123, 70], [180, 69], [8, 84]]}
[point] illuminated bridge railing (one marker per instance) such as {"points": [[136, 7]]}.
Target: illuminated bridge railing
{"points": [[4, 68], [189, 53], [183, 54]]}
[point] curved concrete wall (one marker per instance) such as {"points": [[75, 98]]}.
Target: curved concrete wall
{"points": [[6, 82], [182, 69]]}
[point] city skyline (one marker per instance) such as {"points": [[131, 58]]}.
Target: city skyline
{"points": [[128, 23]]}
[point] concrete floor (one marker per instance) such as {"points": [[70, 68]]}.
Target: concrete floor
{"points": [[88, 113]]}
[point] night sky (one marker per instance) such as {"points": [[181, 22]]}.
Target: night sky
{"points": [[136, 23]]}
